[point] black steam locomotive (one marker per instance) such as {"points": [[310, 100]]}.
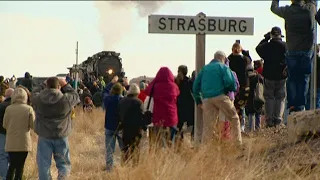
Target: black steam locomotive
{"points": [[106, 64]]}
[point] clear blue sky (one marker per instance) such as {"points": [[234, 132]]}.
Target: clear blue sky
{"points": [[40, 37]]}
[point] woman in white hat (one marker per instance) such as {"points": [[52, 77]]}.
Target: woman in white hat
{"points": [[131, 120]]}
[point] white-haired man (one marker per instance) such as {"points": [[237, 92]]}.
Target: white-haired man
{"points": [[212, 84], [4, 157]]}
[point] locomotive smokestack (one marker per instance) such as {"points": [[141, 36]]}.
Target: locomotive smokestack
{"points": [[116, 18]]}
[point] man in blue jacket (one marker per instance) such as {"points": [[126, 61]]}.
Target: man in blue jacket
{"points": [[210, 89]]}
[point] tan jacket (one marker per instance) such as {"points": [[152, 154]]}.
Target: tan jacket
{"points": [[18, 120]]}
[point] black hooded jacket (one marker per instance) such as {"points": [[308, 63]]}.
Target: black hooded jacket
{"points": [[27, 82], [273, 54]]}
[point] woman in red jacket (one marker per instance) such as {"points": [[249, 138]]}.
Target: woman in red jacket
{"points": [[165, 115]]}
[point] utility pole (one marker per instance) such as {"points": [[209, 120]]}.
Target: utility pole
{"points": [[77, 69], [313, 84]]}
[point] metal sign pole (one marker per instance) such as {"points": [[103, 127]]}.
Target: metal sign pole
{"points": [[313, 84]]}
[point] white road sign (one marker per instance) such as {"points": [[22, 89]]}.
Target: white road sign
{"points": [[168, 24]]}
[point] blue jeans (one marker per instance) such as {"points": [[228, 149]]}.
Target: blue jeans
{"points": [[111, 137], [317, 100], [4, 157], [256, 123], [59, 148], [299, 65]]}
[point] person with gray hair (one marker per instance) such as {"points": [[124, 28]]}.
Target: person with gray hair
{"points": [[131, 120], [210, 90], [18, 120], [4, 157], [220, 55]]}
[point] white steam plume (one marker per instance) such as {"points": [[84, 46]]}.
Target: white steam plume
{"points": [[116, 18]]}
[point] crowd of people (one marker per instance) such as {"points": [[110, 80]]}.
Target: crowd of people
{"points": [[229, 89]]}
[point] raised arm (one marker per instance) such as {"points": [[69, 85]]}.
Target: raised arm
{"points": [[311, 5], [71, 94], [260, 49], [280, 11]]}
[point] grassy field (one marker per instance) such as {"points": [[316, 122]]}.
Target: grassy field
{"points": [[266, 156]]}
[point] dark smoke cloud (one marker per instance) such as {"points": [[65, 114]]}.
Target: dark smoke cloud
{"points": [[116, 18]]}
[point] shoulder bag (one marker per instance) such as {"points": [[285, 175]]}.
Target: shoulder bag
{"points": [[148, 114]]}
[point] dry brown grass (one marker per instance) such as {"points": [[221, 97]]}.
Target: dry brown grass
{"points": [[266, 156]]}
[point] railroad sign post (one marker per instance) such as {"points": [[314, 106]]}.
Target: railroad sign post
{"points": [[200, 25]]}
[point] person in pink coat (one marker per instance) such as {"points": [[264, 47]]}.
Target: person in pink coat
{"points": [[165, 113]]}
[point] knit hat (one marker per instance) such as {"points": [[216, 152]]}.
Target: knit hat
{"points": [[134, 89]]}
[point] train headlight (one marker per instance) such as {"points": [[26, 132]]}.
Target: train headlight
{"points": [[110, 71]]}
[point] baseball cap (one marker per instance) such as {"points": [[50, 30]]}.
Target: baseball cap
{"points": [[276, 31]]}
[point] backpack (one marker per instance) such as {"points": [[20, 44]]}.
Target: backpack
{"points": [[258, 93]]}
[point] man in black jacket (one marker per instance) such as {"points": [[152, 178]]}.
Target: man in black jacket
{"points": [[273, 54], [300, 37], [4, 157], [27, 81]]}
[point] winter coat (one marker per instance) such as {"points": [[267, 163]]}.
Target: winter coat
{"points": [[239, 64], [131, 117], [111, 117], [142, 96], [53, 111], [273, 54], [299, 20], [18, 121], [214, 79], [27, 82], [185, 102], [165, 98]]}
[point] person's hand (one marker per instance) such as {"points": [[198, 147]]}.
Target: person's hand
{"points": [[62, 82], [267, 36]]}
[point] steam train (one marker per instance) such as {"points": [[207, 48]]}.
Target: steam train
{"points": [[106, 64]]}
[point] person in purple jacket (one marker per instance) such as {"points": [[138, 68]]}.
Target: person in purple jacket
{"points": [[223, 122]]}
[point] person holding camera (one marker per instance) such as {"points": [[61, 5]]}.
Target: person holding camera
{"points": [[272, 50], [54, 107], [300, 38], [240, 63]]}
